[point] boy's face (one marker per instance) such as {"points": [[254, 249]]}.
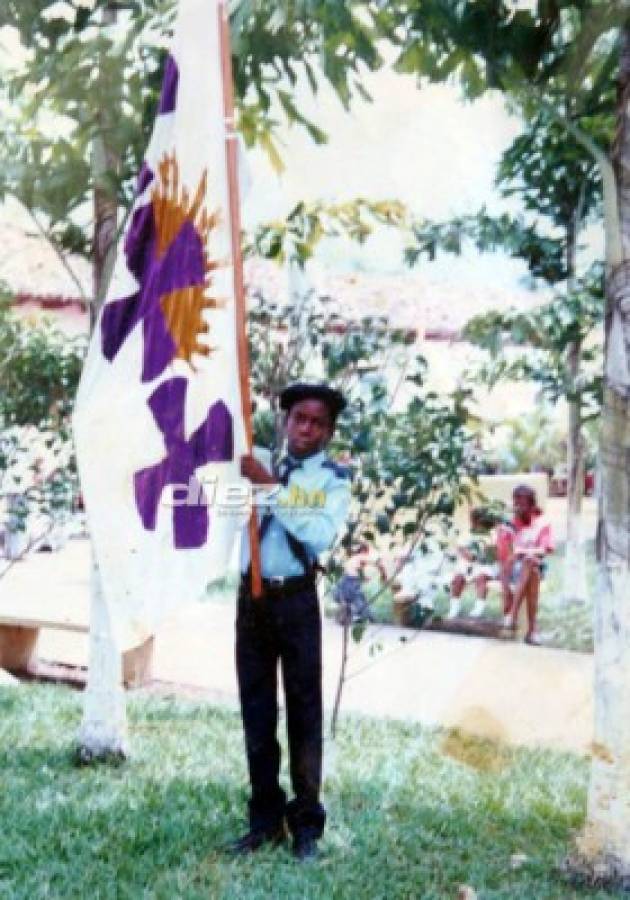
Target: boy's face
{"points": [[523, 506], [309, 427]]}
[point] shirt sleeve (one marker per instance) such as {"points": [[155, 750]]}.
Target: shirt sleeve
{"points": [[317, 526], [263, 455], [544, 539], [241, 519]]}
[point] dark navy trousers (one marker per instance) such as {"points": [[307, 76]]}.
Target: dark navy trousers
{"points": [[282, 628]]}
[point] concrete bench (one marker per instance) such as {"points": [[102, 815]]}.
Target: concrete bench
{"points": [[19, 631], [51, 591]]}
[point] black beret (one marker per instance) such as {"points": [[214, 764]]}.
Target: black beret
{"points": [[333, 399]]}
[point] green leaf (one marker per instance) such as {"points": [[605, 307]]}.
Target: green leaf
{"points": [[270, 148], [411, 60]]}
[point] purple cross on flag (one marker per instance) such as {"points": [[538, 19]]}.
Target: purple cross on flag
{"points": [[159, 404], [211, 442]]}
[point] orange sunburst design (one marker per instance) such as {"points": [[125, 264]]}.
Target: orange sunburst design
{"points": [[173, 208]]}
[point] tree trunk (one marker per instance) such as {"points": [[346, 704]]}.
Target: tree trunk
{"points": [[606, 838], [605, 842], [104, 162], [103, 731], [575, 586]]}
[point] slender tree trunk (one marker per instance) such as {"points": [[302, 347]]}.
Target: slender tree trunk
{"points": [[575, 587], [105, 208], [103, 731], [105, 218], [347, 624], [605, 842]]}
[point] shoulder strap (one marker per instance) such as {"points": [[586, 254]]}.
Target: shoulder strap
{"points": [[297, 548], [339, 470], [300, 552]]}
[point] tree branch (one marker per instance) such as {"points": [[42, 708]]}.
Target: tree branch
{"points": [[85, 299], [612, 223]]}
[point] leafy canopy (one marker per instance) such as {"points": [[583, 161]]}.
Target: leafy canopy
{"points": [[84, 76]]}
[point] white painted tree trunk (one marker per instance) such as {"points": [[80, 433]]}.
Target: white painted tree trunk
{"points": [[575, 583], [605, 842], [103, 729], [606, 837], [575, 587]]}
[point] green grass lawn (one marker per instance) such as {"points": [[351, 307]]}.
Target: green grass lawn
{"points": [[413, 812]]}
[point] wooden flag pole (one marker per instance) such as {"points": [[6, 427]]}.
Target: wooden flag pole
{"points": [[231, 156]]}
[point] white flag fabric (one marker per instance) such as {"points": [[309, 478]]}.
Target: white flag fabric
{"points": [[158, 415]]}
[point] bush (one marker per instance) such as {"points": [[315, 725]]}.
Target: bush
{"points": [[39, 374]]}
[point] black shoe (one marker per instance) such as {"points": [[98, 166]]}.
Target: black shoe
{"points": [[305, 847], [256, 840]]}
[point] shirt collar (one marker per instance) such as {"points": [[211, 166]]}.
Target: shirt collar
{"points": [[316, 459]]}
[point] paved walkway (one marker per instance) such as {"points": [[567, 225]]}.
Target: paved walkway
{"points": [[519, 694]]}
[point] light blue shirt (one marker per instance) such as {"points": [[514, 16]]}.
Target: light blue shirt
{"points": [[313, 507]]}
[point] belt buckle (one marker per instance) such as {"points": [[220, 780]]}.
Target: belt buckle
{"points": [[277, 581]]}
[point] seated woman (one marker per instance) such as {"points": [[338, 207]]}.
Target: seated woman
{"points": [[477, 562], [522, 547]]}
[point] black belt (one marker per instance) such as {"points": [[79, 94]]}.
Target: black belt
{"points": [[289, 584]]}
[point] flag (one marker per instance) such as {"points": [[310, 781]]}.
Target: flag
{"points": [[158, 422]]}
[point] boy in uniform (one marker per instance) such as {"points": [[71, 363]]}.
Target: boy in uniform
{"points": [[309, 502]]}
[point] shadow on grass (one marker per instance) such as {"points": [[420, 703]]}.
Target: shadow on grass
{"points": [[109, 831], [406, 819]]}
